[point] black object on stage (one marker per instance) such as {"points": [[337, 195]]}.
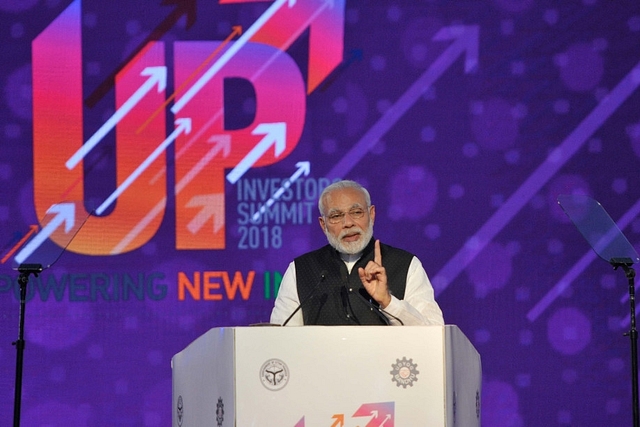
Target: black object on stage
{"points": [[610, 244]]}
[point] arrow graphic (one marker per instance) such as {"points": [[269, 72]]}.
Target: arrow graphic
{"points": [[183, 8], [212, 207], [380, 413], [183, 125], [88, 167], [157, 76], [466, 42], [218, 114], [552, 164], [294, 35], [237, 30], [339, 420], [275, 134], [65, 214], [235, 47], [222, 143], [303, 168], [32, 229]]}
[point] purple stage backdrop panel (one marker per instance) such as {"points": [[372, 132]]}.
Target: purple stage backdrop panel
{"points": [[209, 130]]}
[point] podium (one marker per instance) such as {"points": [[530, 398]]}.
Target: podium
{"points": [[333, 376]]}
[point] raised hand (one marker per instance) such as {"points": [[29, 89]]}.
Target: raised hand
{"points": [[374, 278]]}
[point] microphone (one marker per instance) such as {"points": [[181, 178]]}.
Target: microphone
{"points": [[345, 290], [346, 304], [379, 311], [323, 275]]}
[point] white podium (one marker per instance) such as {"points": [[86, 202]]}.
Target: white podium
{"points": [[333, 376]]}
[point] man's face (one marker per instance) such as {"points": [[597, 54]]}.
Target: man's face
{"points": [[347, 221]]}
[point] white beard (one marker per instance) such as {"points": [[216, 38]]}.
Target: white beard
{"points": [[350, 248]]}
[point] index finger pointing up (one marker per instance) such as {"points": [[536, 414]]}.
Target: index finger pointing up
{"points": [[377, 256]]}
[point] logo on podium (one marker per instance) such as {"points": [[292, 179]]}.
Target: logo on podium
{"points": [[180, 411], [219, 412], [274, 374], [404, 372]]}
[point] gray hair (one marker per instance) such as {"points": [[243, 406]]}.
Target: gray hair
{"points": [[340, 185]]}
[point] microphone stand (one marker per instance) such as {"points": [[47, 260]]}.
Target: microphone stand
{"points": [[632, 334], [25, 271], [382, 313], [377, 310], [323, 275]]}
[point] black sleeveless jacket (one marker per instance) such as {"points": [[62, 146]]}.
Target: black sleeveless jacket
{"points": [[339, 298]]}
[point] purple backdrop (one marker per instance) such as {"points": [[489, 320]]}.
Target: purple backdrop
{"points": [[465, 120]]}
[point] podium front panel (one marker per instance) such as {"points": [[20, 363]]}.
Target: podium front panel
{"points": [[318, 375]]}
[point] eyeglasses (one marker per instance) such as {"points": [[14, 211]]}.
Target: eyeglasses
{"points": [[338, 217]]}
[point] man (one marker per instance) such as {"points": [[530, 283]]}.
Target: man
{"points": [[355, 279]]}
